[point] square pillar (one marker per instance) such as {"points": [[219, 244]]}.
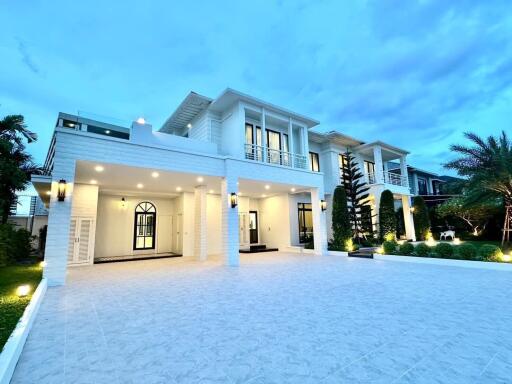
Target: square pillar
{"points": [[403, 170], [59, 219], [230, 239], [319, 222], [264, 135], [377, 158], [200, 223], [291, 146], [408, 218]]}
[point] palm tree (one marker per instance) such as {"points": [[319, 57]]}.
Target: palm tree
{"points": [[488, 166], [16, 165]]}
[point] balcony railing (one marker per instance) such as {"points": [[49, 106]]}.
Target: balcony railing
{"points": [[389, 178], [275, 156]]}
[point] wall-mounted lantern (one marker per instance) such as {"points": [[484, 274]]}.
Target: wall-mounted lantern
{"points": [[234, 199], [412, 209], [61, 190], [122, 204], [323, 205]]}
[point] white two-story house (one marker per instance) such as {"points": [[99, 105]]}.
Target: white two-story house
{"points": [[221, 176]]}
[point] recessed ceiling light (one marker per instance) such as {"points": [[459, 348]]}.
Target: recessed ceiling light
{"points": [[93, 181], [189, 125], [48, 192], [99, 168], [239, 193], [178, 189], [200, 179], [155, 174], [267, 186], [263, 195], [141, 120], [107, 131], [211, 191], [140, 186], [293, 189]]}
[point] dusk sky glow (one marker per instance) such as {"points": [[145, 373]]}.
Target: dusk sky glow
{"points": [[413, 74]]}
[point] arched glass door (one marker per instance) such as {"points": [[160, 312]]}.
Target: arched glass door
{"points": [[145, 225]]}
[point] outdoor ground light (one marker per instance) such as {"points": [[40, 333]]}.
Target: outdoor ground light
{"points": [[42, 264], [23, 290], [456, 241], [323, 205], [234, 199], [61, 191], [506, 258]]}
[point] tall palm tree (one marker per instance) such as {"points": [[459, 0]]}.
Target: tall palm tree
{"points": [[16, 165], [488, 166]]}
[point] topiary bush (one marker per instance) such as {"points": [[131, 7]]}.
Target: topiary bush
{"points": [[466, 252], [406, 249], [422, 250], [421, 218], [389, 247], [444, 250], [490, 252], [387, 218]]}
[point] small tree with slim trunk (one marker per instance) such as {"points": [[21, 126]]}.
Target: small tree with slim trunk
{"points": [[341, 227], [357, 193]]}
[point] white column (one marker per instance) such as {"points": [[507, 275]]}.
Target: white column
{"points": [[200, 223], [408, 218], [264, 134], [59, 218], [377, 158], [230, 240], [403, 169], [291, 146], [319, 222], [305, 143]]}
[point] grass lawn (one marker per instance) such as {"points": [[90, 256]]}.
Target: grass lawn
{"points": [[12, 306]]}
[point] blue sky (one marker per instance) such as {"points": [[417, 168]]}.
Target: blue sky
{"points": [[414, 74]]}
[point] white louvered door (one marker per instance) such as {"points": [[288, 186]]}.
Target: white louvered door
{"points": [[80, 236]]}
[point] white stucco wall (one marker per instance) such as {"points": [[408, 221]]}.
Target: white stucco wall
{"points": [[115, 225], [274, 223]]}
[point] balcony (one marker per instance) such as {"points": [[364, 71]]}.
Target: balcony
{"points": [[275, 156], [389, 178]]}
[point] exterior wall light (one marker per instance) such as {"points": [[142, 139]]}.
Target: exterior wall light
{"points": [[61, 191], [411, 209], [323, 205], [234, 199], [23, 290], [123, 203]]}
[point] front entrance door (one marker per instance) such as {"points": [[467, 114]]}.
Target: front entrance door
{"points": [[243, 232], [80, 240], [253, 227]]}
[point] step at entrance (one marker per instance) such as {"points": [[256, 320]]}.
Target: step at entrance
{"points": [[364, 253]]}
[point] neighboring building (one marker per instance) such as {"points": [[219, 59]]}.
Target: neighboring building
{"points": [[421, 182], [219, 176], [29, 213]]}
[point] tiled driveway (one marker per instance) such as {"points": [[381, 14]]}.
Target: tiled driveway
{"points": [[276, 319]]}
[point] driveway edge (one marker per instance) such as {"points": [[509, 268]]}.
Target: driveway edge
{"points": [[447, 262]]}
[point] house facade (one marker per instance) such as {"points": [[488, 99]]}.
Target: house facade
{"points": [[221, 176]]}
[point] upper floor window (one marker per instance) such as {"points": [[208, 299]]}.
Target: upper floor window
{"points": [[422, 186], [342, 163], [314, 161], [369, 167], [252, 134]]}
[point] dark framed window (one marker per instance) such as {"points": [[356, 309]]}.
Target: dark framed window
{"points": [[422, 186], [145, 226], [369, 167], [314, 160], [305, 214], [274, 146], [342, 163]]}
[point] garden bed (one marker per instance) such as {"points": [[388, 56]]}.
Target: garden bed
{"points": [[12, 306]]}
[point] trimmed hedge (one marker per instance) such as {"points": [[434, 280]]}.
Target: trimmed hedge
{"points": [[389, 247], [443, 250], [490, 252], [467, 252], [406, 249], [422, 250]]}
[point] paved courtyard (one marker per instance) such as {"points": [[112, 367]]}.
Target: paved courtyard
{"points": [[278, 318]]}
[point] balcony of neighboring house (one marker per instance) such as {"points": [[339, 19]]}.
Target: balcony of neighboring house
{"points": [[275, 139], [374, 159]]}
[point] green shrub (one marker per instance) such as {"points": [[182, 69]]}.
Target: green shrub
{"points": [[389, 247], [406, 249], [15, 244], [421, 218], [490, 252], [387, 218], [444, 250], [341, 226], [422, 250], [467, 252]]}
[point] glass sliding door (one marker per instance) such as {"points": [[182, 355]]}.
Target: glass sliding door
{"points": [[305, 223], [253, 150], [274, 147], [286, 151]]}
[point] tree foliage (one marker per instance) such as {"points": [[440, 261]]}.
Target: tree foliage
{"points": [[16, 165], [475, 215], [387, 217], [421, 218], [357, 193], [341, 227]]}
